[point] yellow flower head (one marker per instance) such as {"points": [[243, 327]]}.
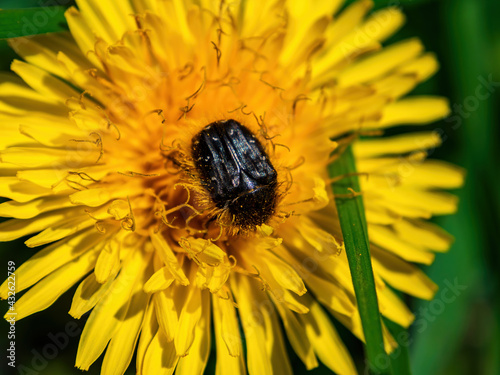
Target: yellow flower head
{"points": [[100, 156]]}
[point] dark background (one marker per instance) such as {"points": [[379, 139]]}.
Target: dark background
{"points": [[452, 337]]}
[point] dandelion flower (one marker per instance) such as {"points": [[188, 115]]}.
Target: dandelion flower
{"points": [[97, 161]]}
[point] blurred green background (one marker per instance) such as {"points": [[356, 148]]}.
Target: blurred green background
{"points": [[452, 337]]}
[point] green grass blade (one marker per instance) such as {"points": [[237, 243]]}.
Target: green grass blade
{"points": [[354, 229], [31, 21]]}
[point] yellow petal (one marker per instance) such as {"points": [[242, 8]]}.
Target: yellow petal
{"points": [[188, 319], [385, 238], [88, 293], [16, 228], [324, 291], [122, 345], [321, 240], [48, 290], [160, 280], [380, 63], [34, 51], [255, 15], [35, 207], [383, 23], [214, 278], [160, 358], [304, 25], [399, 144], [98, 196], [196, 361], [424, 67], [284, 274], [166, 312], [424, 234], [95, 16], [394, 86], [268, 279], [297, 336], [51, 258], [366, 37], [389, 343], [204, 251], [346, 21], [78, 67], [168, 257], [328, 293], [292, 301], [376, 215], [175, 14], [58, 135], [320, 191], [108, 262], [393, 308], [398, 210], [353, 323], [434, 174], [148, 332], [43, 157], [438, 203], [402, 275], [44, 83], [119, 209], [14, 87], [247, 297], [227, 325], [108, 315], [61, 229], [11, 137], [325, 340], [21, 191], [227, 364], [109, 19], [82, 33], [415, 110], [38, 178], [275, 343]]}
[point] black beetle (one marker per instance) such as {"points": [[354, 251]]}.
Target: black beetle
{"points": [[236, 171]]}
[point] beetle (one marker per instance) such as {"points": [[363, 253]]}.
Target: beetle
{"points": [[236, 172]]}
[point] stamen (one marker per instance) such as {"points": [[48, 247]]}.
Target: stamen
{"points": [[200, 89], [265, 284], [341, 177], [218, 52], [269, 84], [100, 227], [138, 174], [83, 187], [109, 123], [186, 245], [186, 71], [300, 97], [159, 112], [128, 223], [97, 142], [84, 176], [349, 196], [185, 110]]}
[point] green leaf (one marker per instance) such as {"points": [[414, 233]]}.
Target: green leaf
{"points": [[32, 21], [354, 229]]}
